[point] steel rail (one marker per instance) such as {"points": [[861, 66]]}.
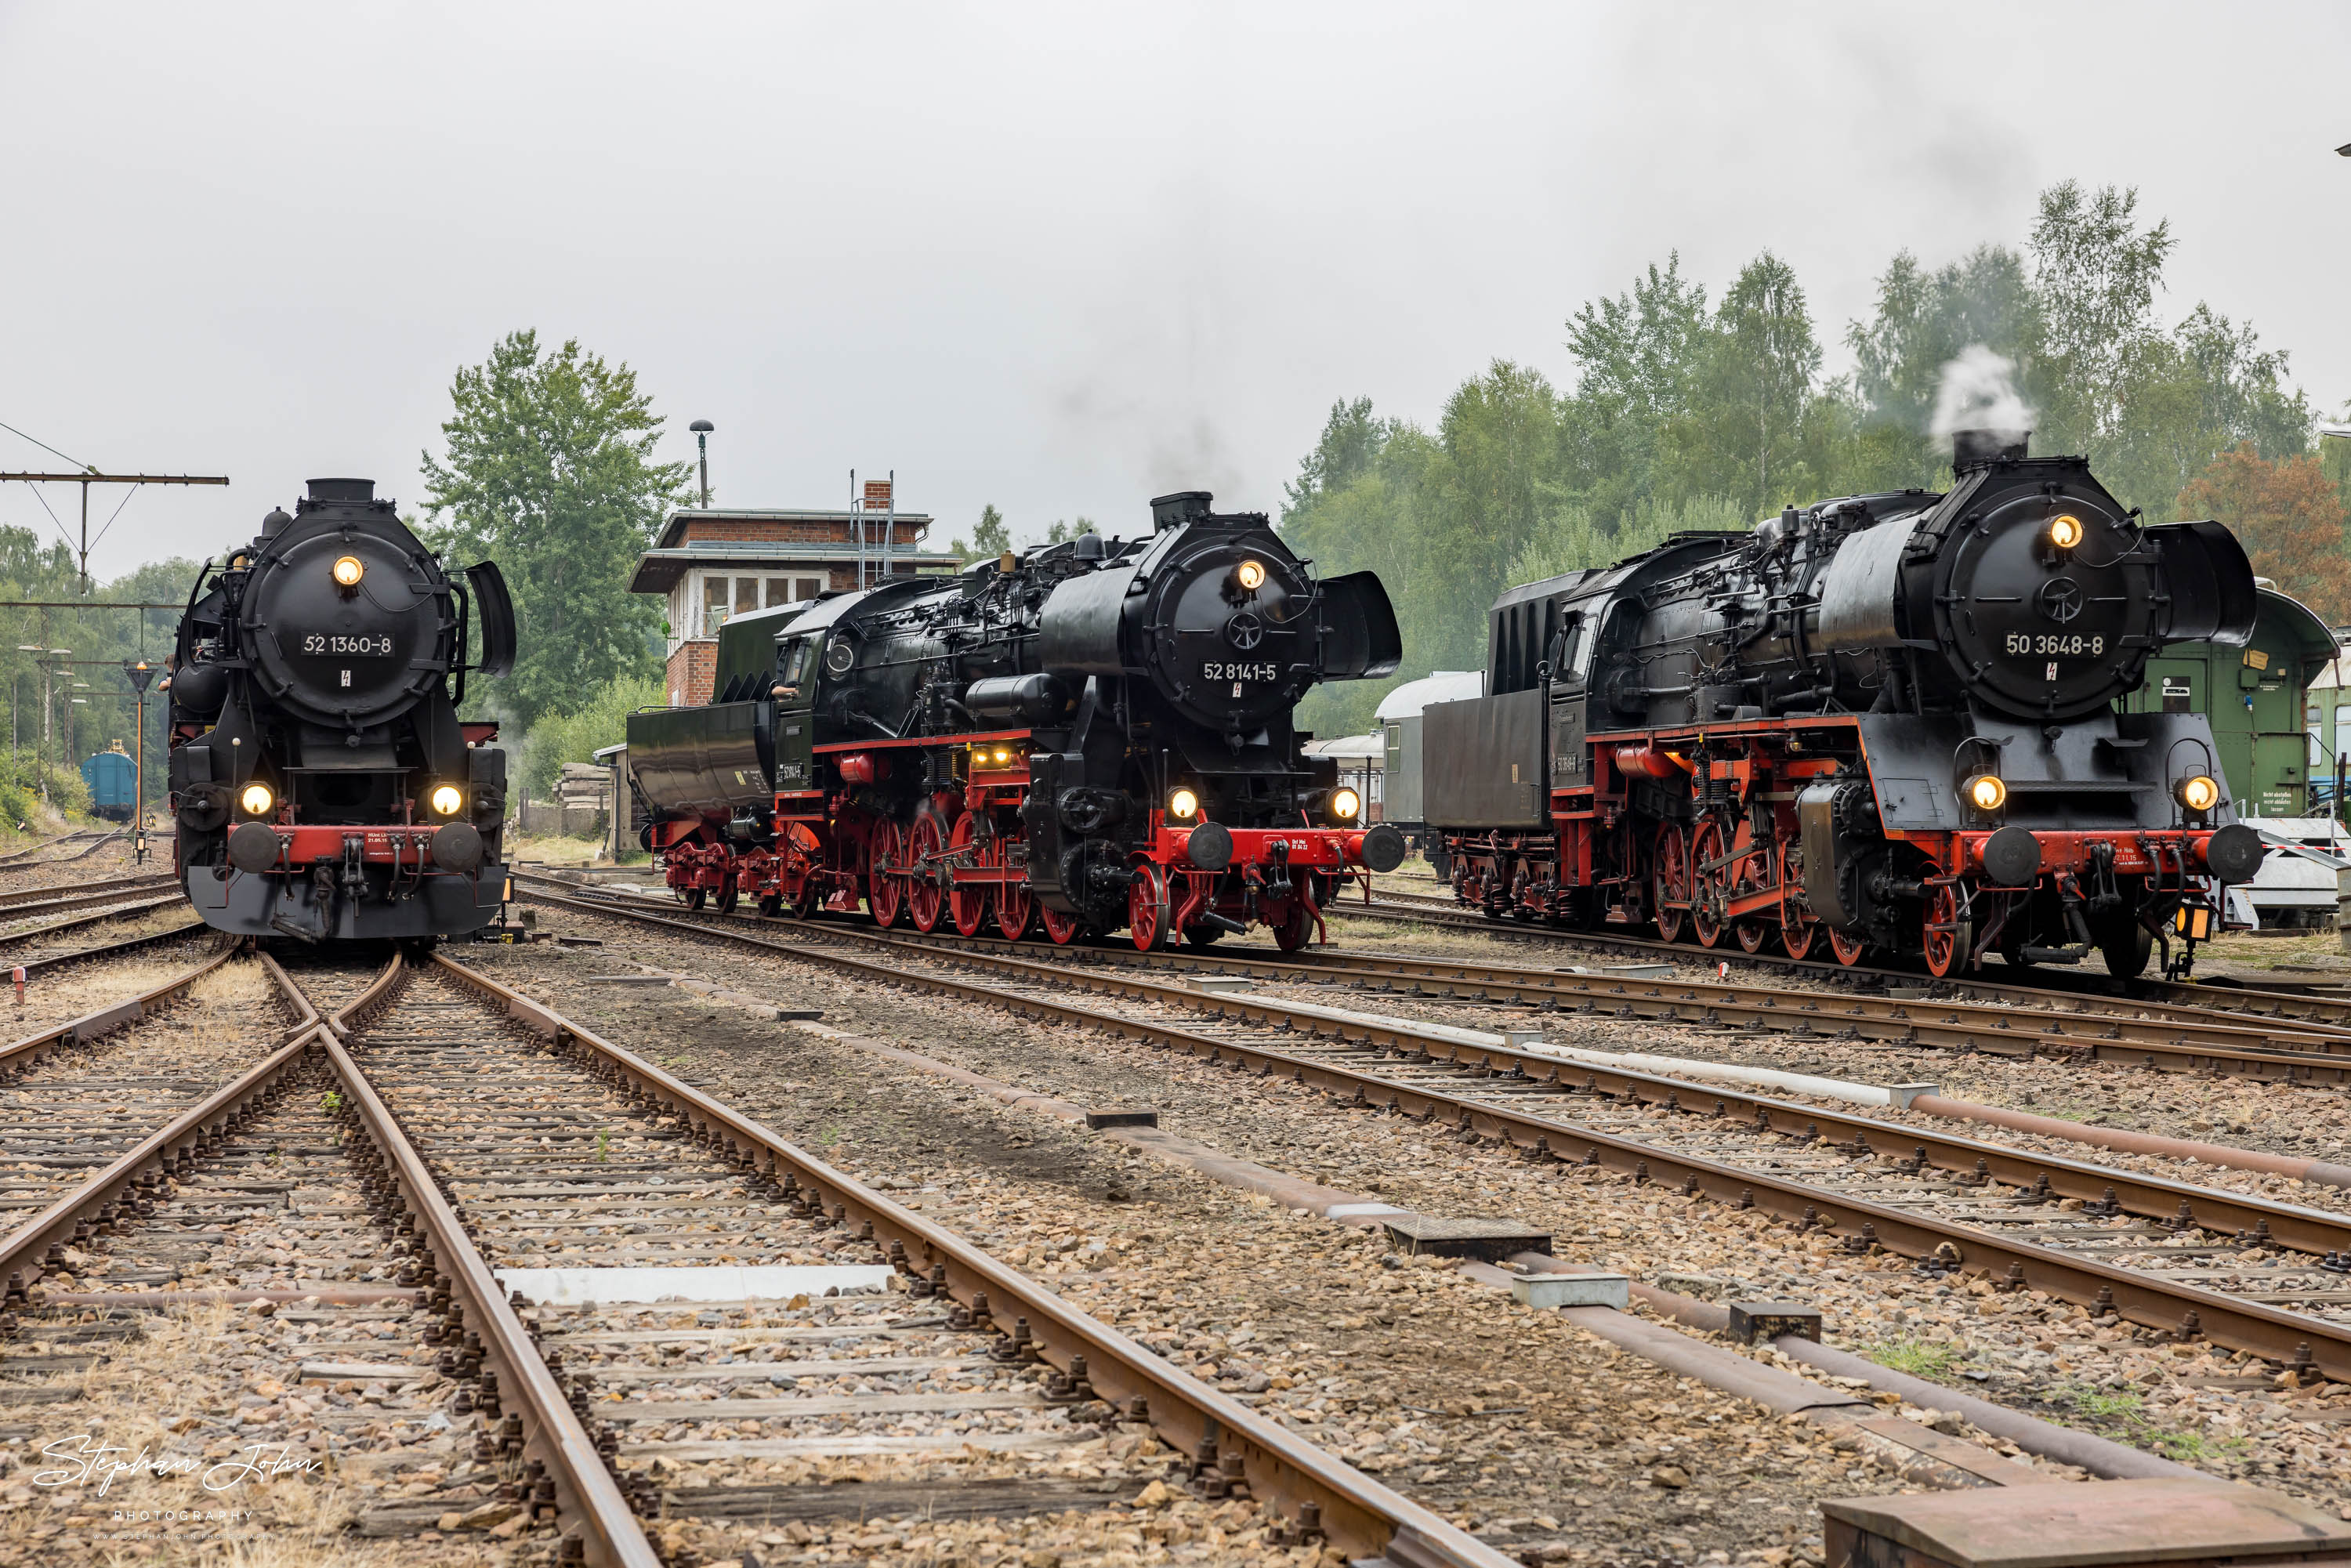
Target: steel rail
{"points": [[2140, 1298], [1357, 1512], [585, 1490], [103, 840], [2189, 1046], [121, 911], [2206, 1006], [2222, 994], [17, 1055], [23, 896], [32, 967], [1479, 981], [37, 1244]]}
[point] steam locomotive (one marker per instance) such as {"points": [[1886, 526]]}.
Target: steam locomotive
{"points": [[1882, 723], [322, 784], [1092, 735]]}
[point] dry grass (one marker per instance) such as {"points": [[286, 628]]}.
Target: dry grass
{"points": [[175, 1392]]}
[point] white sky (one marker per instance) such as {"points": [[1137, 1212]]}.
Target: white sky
{"points": [[1059, 258]]}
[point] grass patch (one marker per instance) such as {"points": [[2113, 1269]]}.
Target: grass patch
{"points": [[1918, 1358]]}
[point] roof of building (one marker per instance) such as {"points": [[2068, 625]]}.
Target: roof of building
{"points": [[1347, 746], [1444, 686], [674, 526], [659, 570]]}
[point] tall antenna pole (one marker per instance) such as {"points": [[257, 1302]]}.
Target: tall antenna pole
{"points": [[702, 429]]}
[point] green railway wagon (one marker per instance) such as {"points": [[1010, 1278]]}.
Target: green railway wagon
{"points": [[2255, 699]]}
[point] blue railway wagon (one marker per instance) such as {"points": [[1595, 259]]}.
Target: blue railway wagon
{"points": [[112, 778]]}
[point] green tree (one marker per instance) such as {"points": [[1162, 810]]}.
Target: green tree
{"points": [[1350, 445], [2094, 275], [1743, 431], [1637, 356], [1062, 531], [600, 720], [550, 472], [990, 540]]}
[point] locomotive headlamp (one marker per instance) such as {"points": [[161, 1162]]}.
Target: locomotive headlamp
{"points": [[257, 800], [1002, 756], [2200, 793], [2065, 530], [1346, 803], [1987, 793], [348, 569], [1250, 575], [447, 800], [1183, 803]]}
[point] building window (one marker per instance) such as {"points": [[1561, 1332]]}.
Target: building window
{"points": [[746, 594], [809, 587], [714, 602], [780, 590]]}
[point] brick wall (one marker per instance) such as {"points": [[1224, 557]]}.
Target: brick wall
{"points": [[693, 672]]}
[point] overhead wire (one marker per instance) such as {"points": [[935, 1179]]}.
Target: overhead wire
{"points": [[52, 451]]}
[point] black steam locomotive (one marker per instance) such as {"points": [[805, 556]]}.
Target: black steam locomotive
{"points": [[323, 783], [1880, 722], [1092, 735]]}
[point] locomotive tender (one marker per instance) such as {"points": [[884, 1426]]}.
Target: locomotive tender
{"points": [[1880, 722], [1092, 735], [321, 782]]}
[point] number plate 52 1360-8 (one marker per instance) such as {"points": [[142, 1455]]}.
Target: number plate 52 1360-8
{"points": [[331, 642]]}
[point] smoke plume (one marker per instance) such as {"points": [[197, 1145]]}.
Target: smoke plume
{"points": [[1978, 393]]}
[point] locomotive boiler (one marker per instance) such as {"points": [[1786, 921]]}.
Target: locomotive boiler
{"points": [[1882, 722], [1092, 735], [322, 784]]}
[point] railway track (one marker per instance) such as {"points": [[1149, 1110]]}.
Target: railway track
{"points": [[1874, 1184], [2314, 1005], [482, 1132], [2151, 1035], [23, 857]]}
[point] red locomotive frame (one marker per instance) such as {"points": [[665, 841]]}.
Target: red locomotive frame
{"points": [[962, 863], [1718, 878]]}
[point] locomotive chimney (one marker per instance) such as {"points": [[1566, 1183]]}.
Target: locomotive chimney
{"points": [[1982, 448]]}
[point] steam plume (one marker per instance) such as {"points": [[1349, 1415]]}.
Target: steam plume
{"points": [[1978, 393]]}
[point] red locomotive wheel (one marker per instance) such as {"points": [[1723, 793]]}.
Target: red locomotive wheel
{"points": [[1146, 908], [1672, 879], [771, 905], [730, 893], [1063, 928], [1295, 925], [884, 890], [1846, 948], [695, 897], [1015, 906], [1943, 939], [925, 898], [1708, 888], [967, 902], [1798, 939]]}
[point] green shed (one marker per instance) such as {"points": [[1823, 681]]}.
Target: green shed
{"points": [[2255, 698]]}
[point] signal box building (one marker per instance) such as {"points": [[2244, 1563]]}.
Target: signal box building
{"points": [[711, 564]]}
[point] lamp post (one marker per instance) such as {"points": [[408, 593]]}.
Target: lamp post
{"points": [[702, 429], [139, 674]]}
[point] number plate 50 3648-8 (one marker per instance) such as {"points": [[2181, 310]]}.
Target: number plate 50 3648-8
{"points": [[335, 644]]}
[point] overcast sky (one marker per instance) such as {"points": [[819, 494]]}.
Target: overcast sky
{"points": [[1062, 259]]}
